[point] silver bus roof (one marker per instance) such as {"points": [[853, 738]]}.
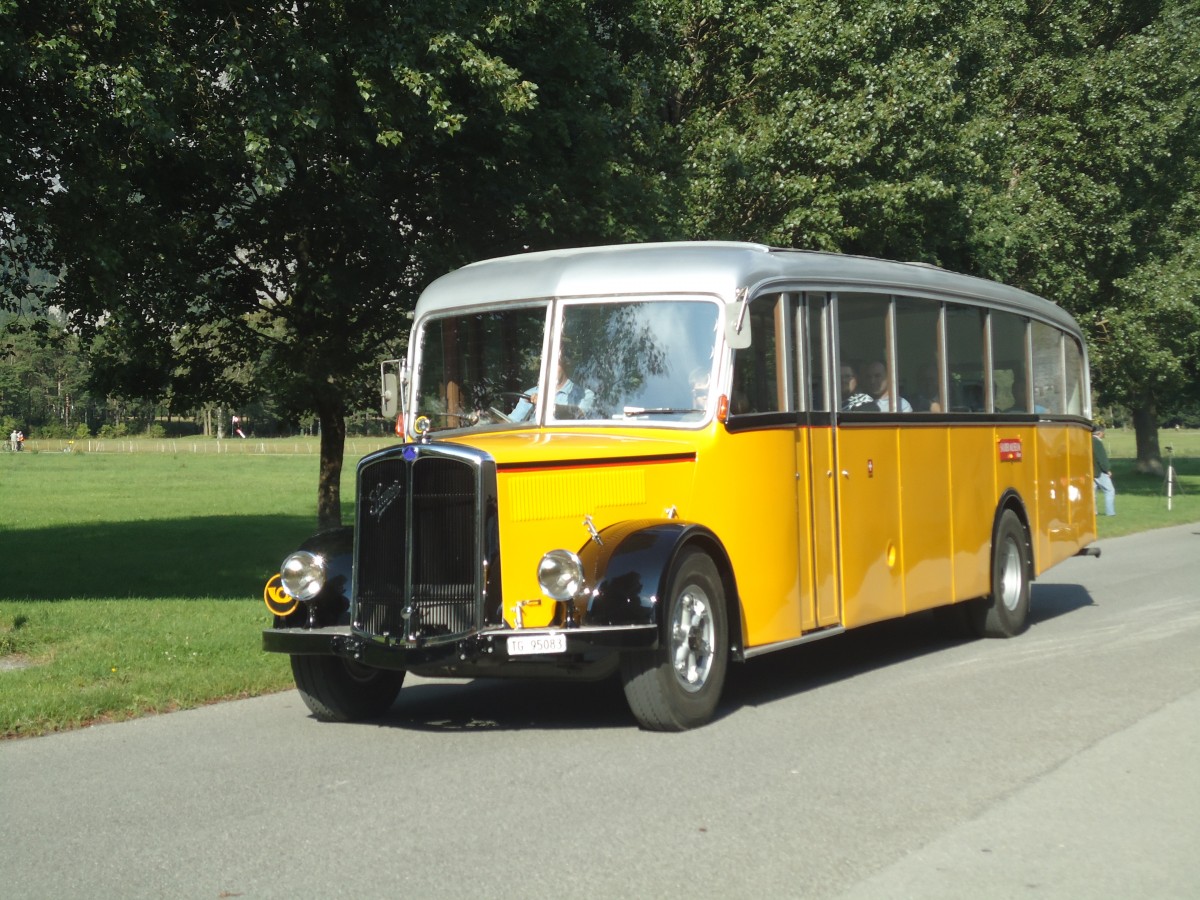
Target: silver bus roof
{"points": [[716, 268]]}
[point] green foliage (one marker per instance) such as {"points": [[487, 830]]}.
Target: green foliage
{"points": [[43, 381], [242, 203], [1051, 146], [1093, 198], [823, 125], [250, 199]]}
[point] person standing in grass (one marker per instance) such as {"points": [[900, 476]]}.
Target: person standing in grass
{"points": [[1102, 471]]}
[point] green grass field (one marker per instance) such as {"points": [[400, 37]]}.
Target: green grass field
{"points": [[1142, 499], [131, 581]]}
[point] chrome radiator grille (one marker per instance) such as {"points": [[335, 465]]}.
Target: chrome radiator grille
{"points": [[417, 555]]}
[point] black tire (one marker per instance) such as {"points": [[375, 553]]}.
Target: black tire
{"points": [[677, 685], [1004, 612], [338, 690]]}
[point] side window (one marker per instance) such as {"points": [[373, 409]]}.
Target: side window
{"points": [[1048, 381], [964, 357], [815, 393], [863, 355], [917, 358], [1074, 374], [760, 373], [1010, 383]]}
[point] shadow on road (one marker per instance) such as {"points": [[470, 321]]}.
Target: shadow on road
{"points": [[510, 704], [522, 704], [1053, 600]]}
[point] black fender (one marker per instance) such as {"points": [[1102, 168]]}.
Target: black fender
{"points": [[630, 568], [332, 605]]}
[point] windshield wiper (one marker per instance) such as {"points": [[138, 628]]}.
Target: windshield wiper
{"points": [[658, 411]]}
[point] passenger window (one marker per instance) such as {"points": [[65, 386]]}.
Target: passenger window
{"points": [[1048, 381], [964, 351], [814, 392], [863, 353], [1010, 384], [917, 359], [1074, 374], [760, 373]]}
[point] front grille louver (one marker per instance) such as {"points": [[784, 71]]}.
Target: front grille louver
{"points": [[417, 553]]}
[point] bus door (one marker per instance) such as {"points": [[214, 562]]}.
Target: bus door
{"points": [[816, 467], [866, 453]]}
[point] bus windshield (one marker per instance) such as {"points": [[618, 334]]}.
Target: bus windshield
{"points": [[475, 367], [634, 361]]}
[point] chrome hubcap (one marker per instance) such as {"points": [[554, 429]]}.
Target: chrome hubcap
{"points": [[1012, 579], [693, 633]]}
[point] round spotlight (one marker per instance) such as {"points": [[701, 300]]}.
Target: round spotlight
{"points": [[303, 575], [560, 573]]}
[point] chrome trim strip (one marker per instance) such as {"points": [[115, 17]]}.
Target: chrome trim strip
{"points": [[569, 632], [794, 642]]}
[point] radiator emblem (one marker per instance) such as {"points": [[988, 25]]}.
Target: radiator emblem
{"points": [[383, 496]]}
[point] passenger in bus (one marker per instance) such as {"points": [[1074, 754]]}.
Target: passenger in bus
{"points": [[571, 401], [972, 397], [854, 400], [878, 387], [928, 392], [1020, 394]]}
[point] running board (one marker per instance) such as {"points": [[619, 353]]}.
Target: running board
{"points": [[794, 642]]}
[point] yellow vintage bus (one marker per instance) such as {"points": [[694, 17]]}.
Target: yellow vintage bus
{"points": [[651, 460]]}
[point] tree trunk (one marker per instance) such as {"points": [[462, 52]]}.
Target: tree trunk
{"points": [[1145, 429], [332, 415]]}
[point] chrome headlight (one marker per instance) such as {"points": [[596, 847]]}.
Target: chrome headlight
{"points": [[560, 574], [303, 575]]}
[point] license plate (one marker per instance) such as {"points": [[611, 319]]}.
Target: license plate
{"points": [[526, 644]]}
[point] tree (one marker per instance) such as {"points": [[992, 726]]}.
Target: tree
{"points": [[253, 194], [821, 125], [1048, 145], [1093, 195]]}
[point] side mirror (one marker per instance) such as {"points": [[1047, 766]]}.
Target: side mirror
{"points": [[391, 387], [737, 325]]}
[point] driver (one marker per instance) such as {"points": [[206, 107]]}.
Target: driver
{"points": [[568, 394]]}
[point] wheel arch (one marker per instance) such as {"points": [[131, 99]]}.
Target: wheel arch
{"points": [[332, 605], [631, 568], [1011, 499]]}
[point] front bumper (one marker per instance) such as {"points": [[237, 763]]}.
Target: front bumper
{"points": [[481, 652]]}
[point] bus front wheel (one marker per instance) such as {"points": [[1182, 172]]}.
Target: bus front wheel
{"points": [[677, 686], [1003, 613], [339, 690]]}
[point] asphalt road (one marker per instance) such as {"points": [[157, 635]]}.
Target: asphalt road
{"points": [[890, 762]]}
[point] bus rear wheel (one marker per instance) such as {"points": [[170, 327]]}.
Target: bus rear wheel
{"points": [[1004, 612], [677, 686], [339, 690]]}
